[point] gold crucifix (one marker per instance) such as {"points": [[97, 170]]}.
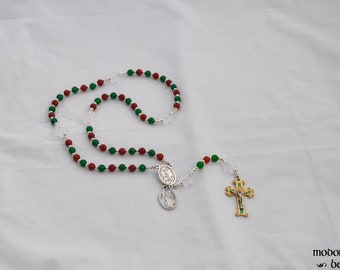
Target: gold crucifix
{"points": [[239, 192]]}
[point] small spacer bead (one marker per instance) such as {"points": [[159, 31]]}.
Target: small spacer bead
{"points": [[177, 105], [122, 151], [91, 166], [206, 159], [155, 75], [76, 157], [112, 167], [139, 72], [121, 97], [133, 106], [91, 135], [147, 73], [105, 96], [101, 168], [67, 93], [200, 164], [55, 102], [100, 82], [141, 151], [130, 72], [102, 147], [142, 168], [122, 167], [68, 142], [143, 117], [83, 88], [151, 120], [113, 95], [168, 82], [132, 168], [160, 156], [214, 158]]}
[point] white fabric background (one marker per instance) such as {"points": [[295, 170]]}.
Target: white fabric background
{"points": [[259, 82]]}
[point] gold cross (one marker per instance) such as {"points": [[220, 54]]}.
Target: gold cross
{"points": [[239, 192]]}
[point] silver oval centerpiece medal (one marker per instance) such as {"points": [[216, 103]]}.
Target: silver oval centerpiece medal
{"points": [[167, 197]]}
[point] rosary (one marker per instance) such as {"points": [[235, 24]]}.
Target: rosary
{"points": [[166, 173]]}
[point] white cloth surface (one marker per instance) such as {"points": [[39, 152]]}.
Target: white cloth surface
{"points": [[259, 82]]}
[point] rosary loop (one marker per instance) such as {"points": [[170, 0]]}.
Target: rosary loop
{"points": [[165, 170]]}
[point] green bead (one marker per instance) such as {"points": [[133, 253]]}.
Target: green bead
{"points": [[60, 97], [177, 98], [113, 95], [147, 73], [93, 86], [162, 78], [71, 150], [173, 86], [54, 120], [98, 101], [75, 89], [112, 150], [101, 168], [130, 72], [214, 158], [142, 167], [200, 164], [51, 109], [82, 163], [89, 129], [128, 101], [151, 120], [138, 111], [151, 153], [95, 142], [132, 151], [122, 167]]}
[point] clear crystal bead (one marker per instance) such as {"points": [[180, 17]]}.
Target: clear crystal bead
{"points": [[189, 178], [58, 131], [229, 165], [169, 118]]}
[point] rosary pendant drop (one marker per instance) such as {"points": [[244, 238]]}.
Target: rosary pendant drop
{"points": [[167, 197]]}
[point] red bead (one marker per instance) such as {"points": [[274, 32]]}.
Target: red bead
{"points": [[206, 159], [133, 106], [67, 93], [155, 75], [112, 167], [55, 102], [139, 72], [51, 115], [91, 135], [143, 117], [177, 105], [168, 82], [141, 151], [100, 82], [91, 166], [105, 96], [76, 157], [176, 92], [122, 151], [102, 147], [121, 97], [83, 87], [68, 142], [160, 156], [132, 168], [93, 106]]}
